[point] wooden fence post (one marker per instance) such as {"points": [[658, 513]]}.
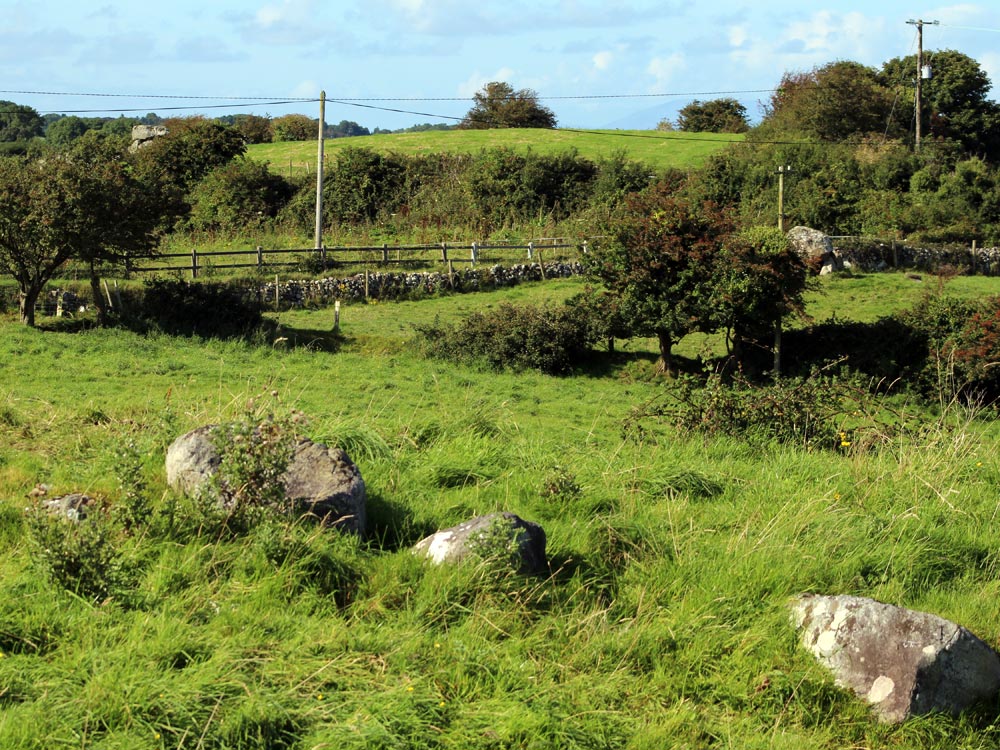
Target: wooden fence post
{"points": [[451, 274], [260, 257], [194, 263], [444, 252], [277, 298], [322, 255], [336, 316], [531, 249], [541, 265], [972, 256], [474, 254], [585, 248], [385, 253]]}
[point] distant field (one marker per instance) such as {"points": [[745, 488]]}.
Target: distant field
{"points": [[660, 149]]}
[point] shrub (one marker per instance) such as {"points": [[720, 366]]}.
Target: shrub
{"points": [[550, 339], [820, 411], [83, 557], [247, 487], [210, 309], [240, 195]]}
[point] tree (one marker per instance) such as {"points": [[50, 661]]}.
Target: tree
{"points": [[294, 128], [498, 105], [239, 195], [67, 206], [65, 130], [173, 164], [954, 101], [19, 122], [837, 101], [658, 265], [715, 116], [254, 128]]}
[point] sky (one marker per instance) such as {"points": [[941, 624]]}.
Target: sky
{"points": [[595, 63]]}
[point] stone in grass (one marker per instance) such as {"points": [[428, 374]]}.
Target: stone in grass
{"points": [[320, 481], [904, 663], [484, 536], [73, 507]]}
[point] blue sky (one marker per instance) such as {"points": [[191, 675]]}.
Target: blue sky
{"points": [[640, 60]]}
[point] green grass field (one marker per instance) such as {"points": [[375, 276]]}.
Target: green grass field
{"points": [[663, 624], [661, 150]]}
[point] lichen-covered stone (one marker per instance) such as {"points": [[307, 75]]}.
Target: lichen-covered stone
{"points": [[904, 663], [523, 540], [319, 481]]}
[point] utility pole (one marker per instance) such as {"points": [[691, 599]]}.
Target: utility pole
{"points": [[319, 171], [782, 171], [920, 75]]}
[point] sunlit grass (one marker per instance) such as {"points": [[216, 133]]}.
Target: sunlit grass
{"points": [[663, 624]]}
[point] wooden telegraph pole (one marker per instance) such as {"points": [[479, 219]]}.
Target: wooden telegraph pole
{"points": [[319, 171], [782, 171], [920, 76]]}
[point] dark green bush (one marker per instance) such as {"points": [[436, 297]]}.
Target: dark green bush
{"points": [[238, 196], [210, 309], [552, 339]]}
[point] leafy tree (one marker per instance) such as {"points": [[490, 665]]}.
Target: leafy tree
{"points": [[715, 116], [346, 129], [954, 101], [65, 130], [173, 164], [659, 266], [758, 280], [293, 128], [19, 122], [67, 206], [838, 101], [254, 128], [498, 105], [238, 195]]}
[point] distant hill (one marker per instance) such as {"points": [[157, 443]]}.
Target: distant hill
{"points": [[660, 149]]}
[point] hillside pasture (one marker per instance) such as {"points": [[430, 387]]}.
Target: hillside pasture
{"points": [[661, 150]]}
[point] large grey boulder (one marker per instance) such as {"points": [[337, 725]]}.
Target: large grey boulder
{"points": [[489, 536], [319, 481], [904, 663], [815, 248]]}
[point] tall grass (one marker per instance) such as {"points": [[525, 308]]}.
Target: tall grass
{"points": [[663, 622]]}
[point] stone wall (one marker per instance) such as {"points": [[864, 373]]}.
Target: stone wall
{"points": [[404, 285]]}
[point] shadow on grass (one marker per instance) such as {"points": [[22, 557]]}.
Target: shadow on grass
{"points": [[392, 526], [310, 338]]}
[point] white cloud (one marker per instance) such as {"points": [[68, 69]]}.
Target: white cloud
{"points": [[664, 69], [737, 35], [602, 60], [990, 62], [306, 89], [477, 80]]}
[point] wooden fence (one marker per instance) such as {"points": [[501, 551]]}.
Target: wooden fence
{"points": [[198, 262]]}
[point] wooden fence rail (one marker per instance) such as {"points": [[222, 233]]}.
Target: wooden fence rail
{"points": [[443, 253]]}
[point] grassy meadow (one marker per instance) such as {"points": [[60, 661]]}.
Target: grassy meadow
{"points": [[663, 624], [660, 149]]}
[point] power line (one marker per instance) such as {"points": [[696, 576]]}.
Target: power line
{"points": [[382, 98]]}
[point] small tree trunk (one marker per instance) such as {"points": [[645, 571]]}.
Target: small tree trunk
{"points": [[666, 363]]}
